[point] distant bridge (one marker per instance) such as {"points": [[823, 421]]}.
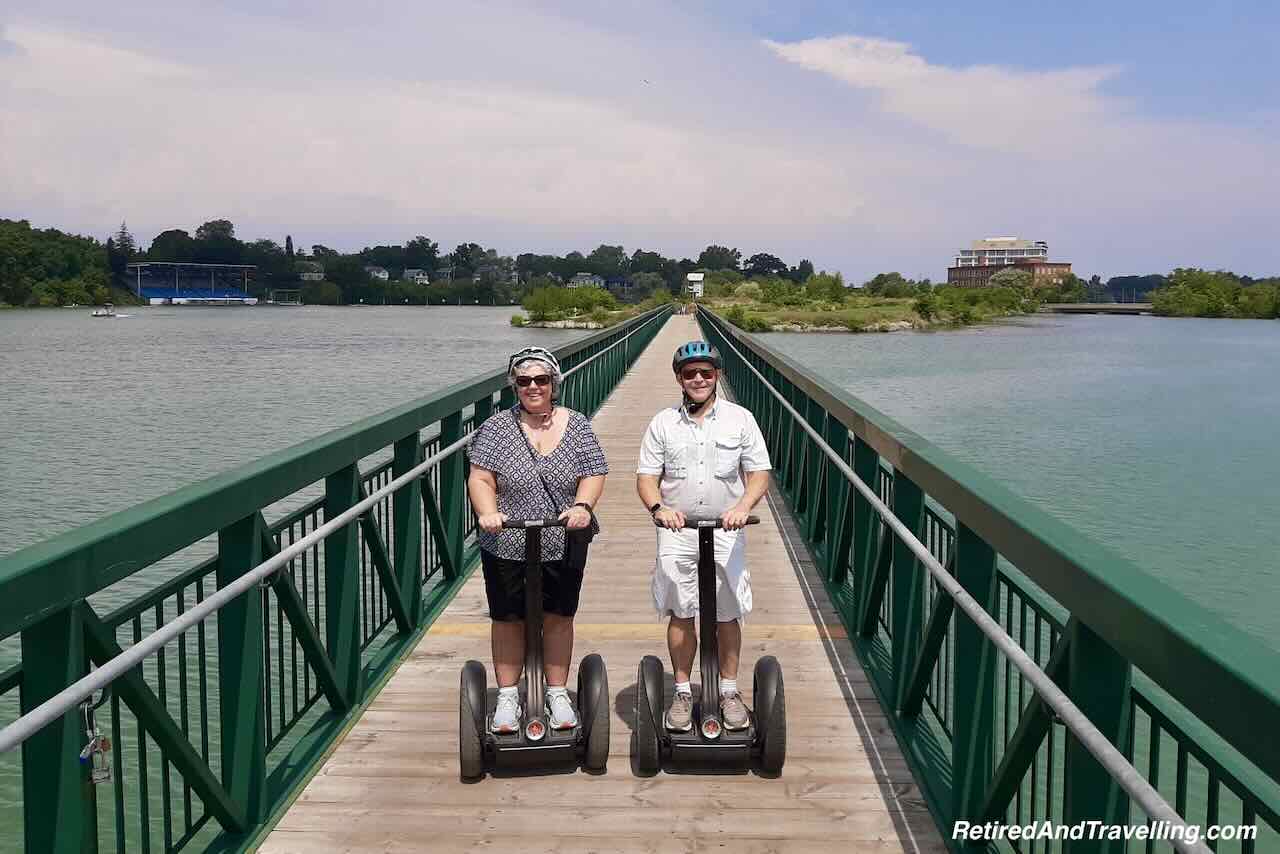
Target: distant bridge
{"points": [[1098, 308]]}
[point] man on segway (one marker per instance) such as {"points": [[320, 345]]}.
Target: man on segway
{"points": [[703, 459]]}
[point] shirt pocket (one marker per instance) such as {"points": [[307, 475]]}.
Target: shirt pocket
{"points": [[728, 457]]}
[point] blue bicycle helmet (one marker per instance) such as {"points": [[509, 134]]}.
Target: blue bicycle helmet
{"points": [[695, 351]]}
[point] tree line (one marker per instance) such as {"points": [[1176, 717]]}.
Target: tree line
{"points": [[49, 267]]}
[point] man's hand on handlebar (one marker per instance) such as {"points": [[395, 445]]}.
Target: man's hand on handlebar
{"points": [[734, 518], [492, 522], [672, 520]]}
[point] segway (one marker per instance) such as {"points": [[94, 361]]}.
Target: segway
{"points": [[536, 744], [708, 742]]}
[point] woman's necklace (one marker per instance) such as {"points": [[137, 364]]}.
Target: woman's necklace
{"points": [[537, 432]]}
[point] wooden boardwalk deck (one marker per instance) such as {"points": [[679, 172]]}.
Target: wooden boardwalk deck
{"points": [[392, 785]]}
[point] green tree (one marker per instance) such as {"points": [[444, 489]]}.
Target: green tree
{"points": [[1010, 278], [288, 246], [174, 245], [826, 287], [608, 261], [801, 272], [125, 243], [764, 264], [716, 257], [422, 253]]}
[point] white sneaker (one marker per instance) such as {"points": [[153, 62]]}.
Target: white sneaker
{"points": [[563, 715], [506, 718]]}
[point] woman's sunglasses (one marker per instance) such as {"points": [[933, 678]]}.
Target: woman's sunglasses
{"points": [[693, 373], [541, 380]]}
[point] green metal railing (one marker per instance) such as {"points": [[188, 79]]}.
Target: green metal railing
{"points": [[1192, 702], [213, 735]]}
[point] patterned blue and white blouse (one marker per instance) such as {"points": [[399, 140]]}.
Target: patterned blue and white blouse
{"points": [[499, 445]]}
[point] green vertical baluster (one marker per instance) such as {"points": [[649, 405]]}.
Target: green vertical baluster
{"points": [[840, 524], [908, 583], [342, 584], [1100, 685], [240, 677], [407, 509], [817, 465], [865, 521], [973, 728], [453, 487], [58, 801]]}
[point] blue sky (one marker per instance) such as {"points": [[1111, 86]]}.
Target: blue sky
{"points": [[1181, 58], [1132, 137]]}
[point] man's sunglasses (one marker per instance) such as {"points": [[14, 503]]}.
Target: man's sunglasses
{"points": [[541, 380], [693, 373]]}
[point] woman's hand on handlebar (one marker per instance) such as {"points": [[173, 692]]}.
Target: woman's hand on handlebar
{"points": [[734, 518], [671, 519], [492, 522], [576, 517]]}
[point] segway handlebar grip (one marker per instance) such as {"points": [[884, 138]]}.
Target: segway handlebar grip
{"points": [[534, 523], [695, 524]]}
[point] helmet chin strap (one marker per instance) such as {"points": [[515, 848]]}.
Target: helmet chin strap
{"points": [[693, 407]]}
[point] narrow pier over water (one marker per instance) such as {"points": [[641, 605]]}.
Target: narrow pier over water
{"points": [[951, 652]]}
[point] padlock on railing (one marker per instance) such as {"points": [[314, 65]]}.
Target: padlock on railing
{"points": [[94, 753]]}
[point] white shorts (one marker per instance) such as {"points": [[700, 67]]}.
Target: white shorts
{"points": [[675, 575]]}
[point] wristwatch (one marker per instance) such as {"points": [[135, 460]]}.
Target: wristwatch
{"points": [[655, 508], [583, 504]]}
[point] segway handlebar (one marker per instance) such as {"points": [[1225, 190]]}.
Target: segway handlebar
{"points": [[695, 524], [534, 523]]}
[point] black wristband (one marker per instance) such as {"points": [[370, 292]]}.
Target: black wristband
{"points": [[655, 508], [582, 504]]}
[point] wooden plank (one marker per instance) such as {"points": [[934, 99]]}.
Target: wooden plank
{"points": [[392, 785]]}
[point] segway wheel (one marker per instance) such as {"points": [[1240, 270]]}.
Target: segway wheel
{"points": [[771, 714], [649, 705], [472, 702], [593, 705]]}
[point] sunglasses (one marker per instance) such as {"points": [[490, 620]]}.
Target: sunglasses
{"points": [[693, 373], [541, 380]]}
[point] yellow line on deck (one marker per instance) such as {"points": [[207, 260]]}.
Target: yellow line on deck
{"points": [[645, 631]]}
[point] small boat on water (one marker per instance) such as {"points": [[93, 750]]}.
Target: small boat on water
{"points": [[107, 310]]}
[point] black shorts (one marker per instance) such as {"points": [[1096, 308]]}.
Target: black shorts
{"points": [[504, 587]]}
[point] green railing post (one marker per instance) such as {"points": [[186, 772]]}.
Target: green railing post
{"points": [[866, 463], [407, 510], [1100, 684], [59, 807], [973, 727], [342, 583], [453, 487], [838, 536], [815, 494], [240, 676], [907, 607]]}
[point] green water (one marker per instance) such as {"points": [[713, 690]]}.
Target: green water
{"points": [[1156, 436]]}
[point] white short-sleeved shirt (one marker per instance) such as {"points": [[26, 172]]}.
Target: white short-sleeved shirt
{"points": [[701, 466]]}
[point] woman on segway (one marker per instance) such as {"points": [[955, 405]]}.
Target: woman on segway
{"points": [[535, 460]]}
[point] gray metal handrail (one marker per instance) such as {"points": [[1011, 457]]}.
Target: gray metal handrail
{"points": [[1111, 759], [13, 735]]}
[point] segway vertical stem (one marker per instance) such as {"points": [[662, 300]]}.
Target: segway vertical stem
{"points": [[534, 680], [708, 634]]}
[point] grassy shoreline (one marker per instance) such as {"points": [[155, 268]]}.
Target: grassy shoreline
{"points": [[857, 313]]}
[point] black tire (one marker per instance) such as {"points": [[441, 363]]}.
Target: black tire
{"points": [[649, 707], [771, 714], [472, 706], [593, 705]]}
